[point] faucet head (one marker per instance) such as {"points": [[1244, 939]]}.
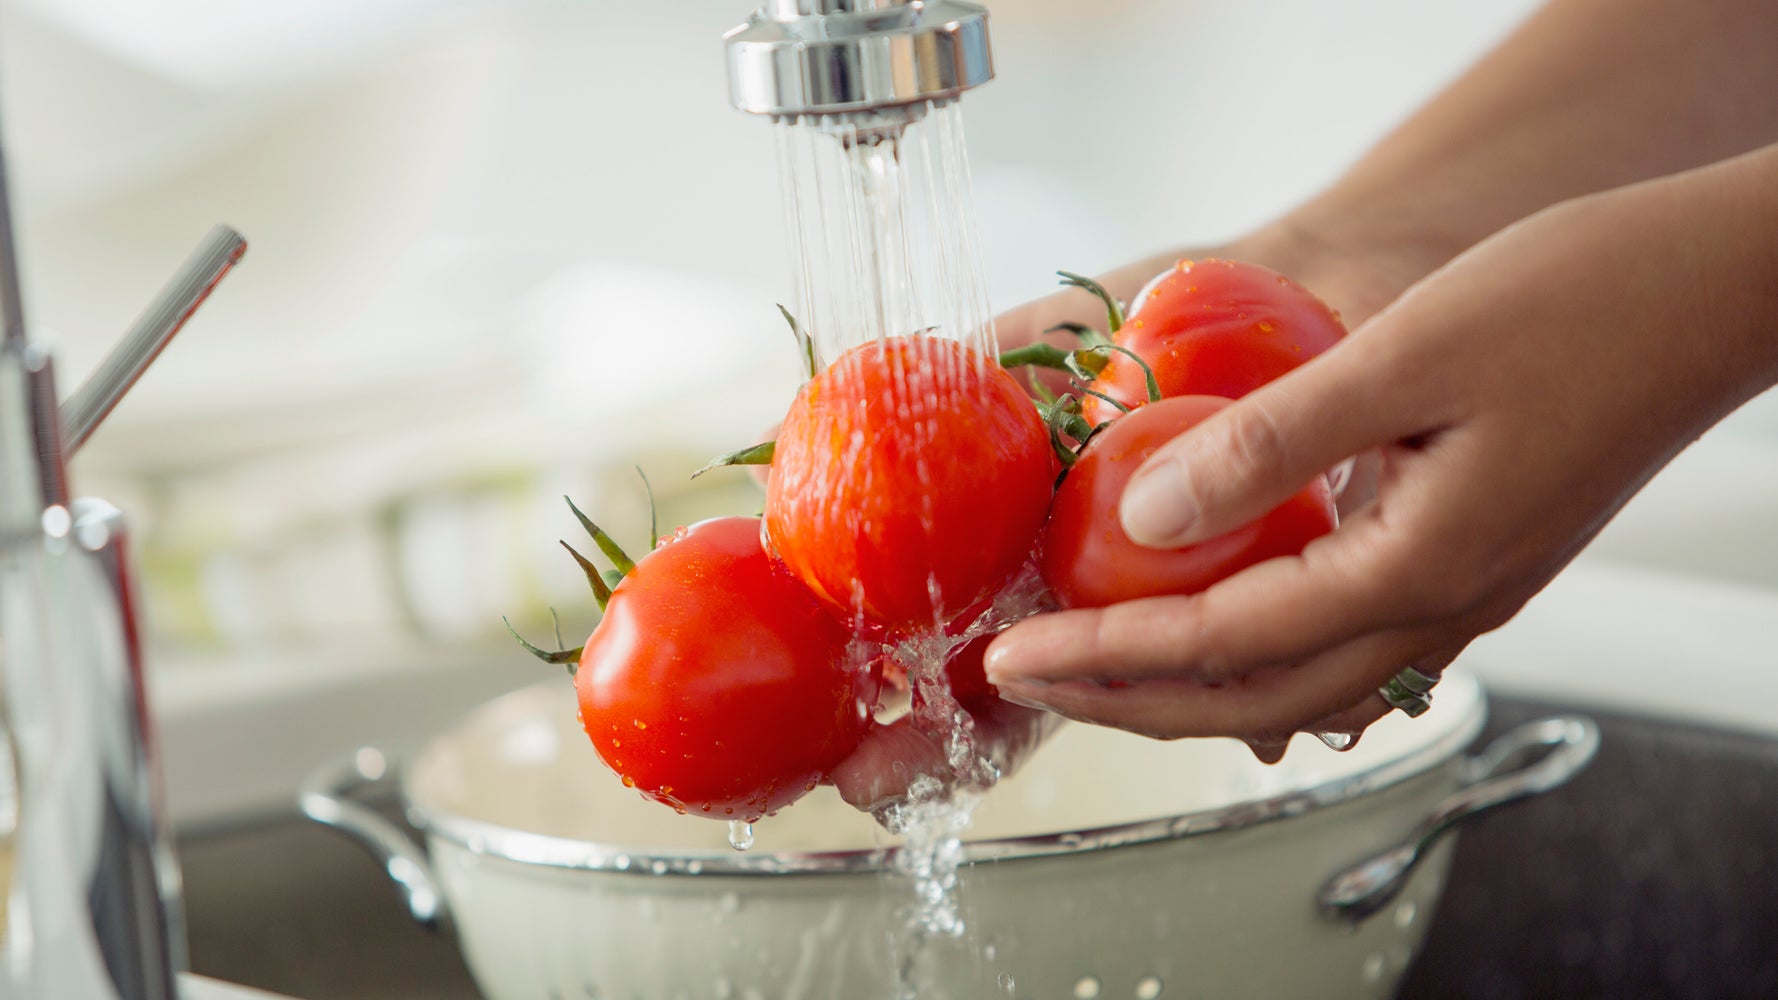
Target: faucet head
{"points": [[841, 57]]}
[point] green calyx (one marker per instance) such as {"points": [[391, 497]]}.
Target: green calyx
{"points": [[570, 657], [805, 344], [601, 582], [758, 454]]}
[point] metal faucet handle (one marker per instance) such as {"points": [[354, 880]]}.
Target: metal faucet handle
{"points": [[818, 57]]}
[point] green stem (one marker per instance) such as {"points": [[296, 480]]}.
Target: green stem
{"points": [[1114, 310]]}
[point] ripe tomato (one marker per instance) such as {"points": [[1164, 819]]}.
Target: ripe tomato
{"points": [[908, 483], [1214, 328], [1088, 561], [715, 683]]}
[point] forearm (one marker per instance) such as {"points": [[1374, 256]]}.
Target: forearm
{"points": [[1587, 95]]}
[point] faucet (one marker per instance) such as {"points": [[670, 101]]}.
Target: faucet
{"points": [[890, 58], [91, 886], [863, 96]]}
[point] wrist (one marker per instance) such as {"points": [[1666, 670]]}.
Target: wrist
{"points": [[1349, 258]]}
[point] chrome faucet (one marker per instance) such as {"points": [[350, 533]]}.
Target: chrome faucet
{"points": [[92, 893], [829, 57]]}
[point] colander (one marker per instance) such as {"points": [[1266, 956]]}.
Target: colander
{"points": [[1108, 866]]}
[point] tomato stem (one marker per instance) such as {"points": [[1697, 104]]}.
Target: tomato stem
{"points": [[569, 657], [1114, 310], [1153, 387], [606, 543], [759, 454], [1039, 354], [1088, 335]]}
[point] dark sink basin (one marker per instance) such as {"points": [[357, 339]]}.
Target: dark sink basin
{"points": [[1653, 874]]}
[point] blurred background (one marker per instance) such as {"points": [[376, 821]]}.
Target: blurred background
{"points": [[503, 251]]}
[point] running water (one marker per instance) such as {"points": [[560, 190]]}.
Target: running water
{"points": [[883, 244]]}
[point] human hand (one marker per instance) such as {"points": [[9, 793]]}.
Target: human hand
{"points": [[1517, 397], [1356, 281]]}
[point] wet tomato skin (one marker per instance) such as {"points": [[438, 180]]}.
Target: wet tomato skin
{"points": [[909, 482], [1088, 561], [715, 683], [1214, 328]]}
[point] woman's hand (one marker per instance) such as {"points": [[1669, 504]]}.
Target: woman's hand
{"points": [[1518, 397]]}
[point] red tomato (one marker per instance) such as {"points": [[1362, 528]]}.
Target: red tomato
{"points": [[1214, 328], [715, 683], [1088, 561], [967, 674], [909, 481]]}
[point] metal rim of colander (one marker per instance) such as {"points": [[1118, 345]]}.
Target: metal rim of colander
{"points": [[525, 847]]}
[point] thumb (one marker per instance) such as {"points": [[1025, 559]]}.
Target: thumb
{"points": [[1252, 455]]}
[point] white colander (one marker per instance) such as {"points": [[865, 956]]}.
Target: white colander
{"points": [[1109, 866]]}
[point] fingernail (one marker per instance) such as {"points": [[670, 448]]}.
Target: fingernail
{"points": [[1022, 692], [1159, 507], [1001, 653]]}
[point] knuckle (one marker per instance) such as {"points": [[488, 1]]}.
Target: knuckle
{"points": [[1253, 440]]}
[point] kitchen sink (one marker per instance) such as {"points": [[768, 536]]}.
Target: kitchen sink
{"points": [[1654, 873]]}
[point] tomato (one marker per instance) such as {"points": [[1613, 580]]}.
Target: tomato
{"points": [[1214, 328], [909, 481], [1088, 561], [967, 674], [715, 683]]}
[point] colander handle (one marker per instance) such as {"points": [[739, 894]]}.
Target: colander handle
{"points": [[1529, 759], [327, 797]]}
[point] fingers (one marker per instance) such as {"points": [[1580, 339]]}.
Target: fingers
{"points": [[890, 757], [1265, 706], [1282, 611], [1248, 458]]}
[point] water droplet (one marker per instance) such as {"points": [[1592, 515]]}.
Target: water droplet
{"points": [[1404, 915], [1265, 326], [1374, 967], [1006, 983], [1336, 741], [629, 782], [740, 834], [1086, 988], [1148, 987]]}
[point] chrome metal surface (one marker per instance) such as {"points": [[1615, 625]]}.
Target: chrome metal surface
{"points": [[95, 904], [143, 342], [493, 840], [91, 884], [1528, 760], [1410, 691], [326, 797], [797, 57]]}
